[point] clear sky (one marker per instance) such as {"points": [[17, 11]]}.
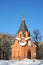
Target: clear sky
{"points": [[12, 11]]}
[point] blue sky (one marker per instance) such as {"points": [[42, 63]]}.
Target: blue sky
{"points": [[12, 11]]}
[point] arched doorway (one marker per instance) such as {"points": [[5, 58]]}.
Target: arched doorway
{"points": [[29, 55]]}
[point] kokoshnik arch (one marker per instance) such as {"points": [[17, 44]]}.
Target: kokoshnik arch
{"points": [[23, 46]]}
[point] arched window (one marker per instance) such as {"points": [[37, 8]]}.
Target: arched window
{"points": [[20, 35], [24, 35]]}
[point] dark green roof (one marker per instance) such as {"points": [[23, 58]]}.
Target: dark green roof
{"points": [[23, 26]]}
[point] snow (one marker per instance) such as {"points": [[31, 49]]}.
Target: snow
{"points": [[21, 62]]}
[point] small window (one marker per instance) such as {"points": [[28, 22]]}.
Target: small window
{"points": [[20, 35]]}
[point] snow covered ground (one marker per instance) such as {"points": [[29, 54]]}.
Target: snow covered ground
{"points": [[21, 62]]}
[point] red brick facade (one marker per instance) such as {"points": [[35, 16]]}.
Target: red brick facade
{"points": [[23, 46]]}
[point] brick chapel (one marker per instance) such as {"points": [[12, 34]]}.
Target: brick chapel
{"points": [[23, 46]]}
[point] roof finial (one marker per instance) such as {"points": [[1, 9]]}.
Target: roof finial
{"points": [[23, 19]]}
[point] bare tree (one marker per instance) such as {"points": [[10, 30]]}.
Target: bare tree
{"points": [[36, 36]]}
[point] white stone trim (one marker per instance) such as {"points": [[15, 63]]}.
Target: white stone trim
{"points": [[29, 43], [11, 46], [18, 38], [35, 54], [35, 45], [27, 38], [22, 43]]}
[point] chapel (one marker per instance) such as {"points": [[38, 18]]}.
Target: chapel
{"points": [[23, 46]]}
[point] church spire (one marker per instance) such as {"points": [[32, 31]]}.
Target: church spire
{"points": [[23, 26]]}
